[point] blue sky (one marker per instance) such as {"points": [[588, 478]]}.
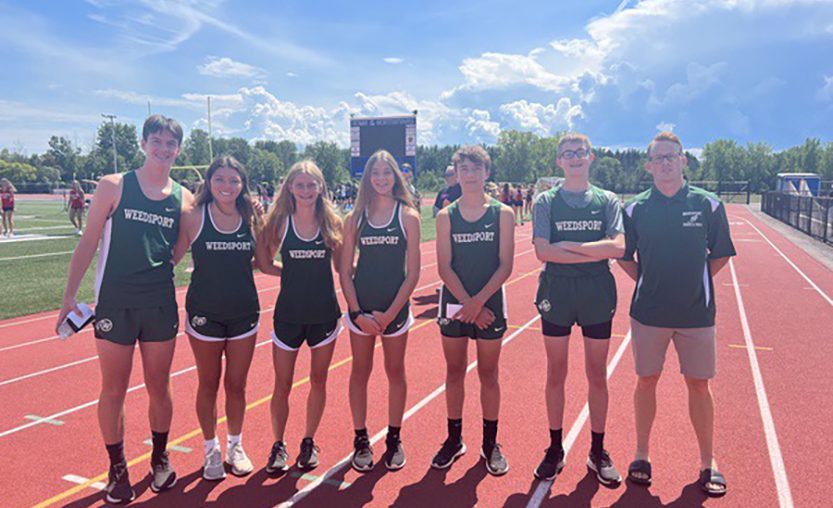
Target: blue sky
{"points": [[617, 70]]}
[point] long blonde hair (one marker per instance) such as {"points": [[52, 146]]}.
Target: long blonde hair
{"points": [[328, 220], [7, 185], [367, 193]]}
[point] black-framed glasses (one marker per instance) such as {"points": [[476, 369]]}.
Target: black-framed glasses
{"points": [[581, 153], [667, 158]]}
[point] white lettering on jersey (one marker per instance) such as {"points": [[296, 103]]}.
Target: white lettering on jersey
{"points": [[149, 218], [578, 225], [247, 246], [480, 236], [380, 240], [308, 254]]}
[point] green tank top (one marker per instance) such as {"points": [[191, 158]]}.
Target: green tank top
{"points": [[475, 255], [135, 268], [381, 268], [588, 224], [222, 284], [307, 295]]}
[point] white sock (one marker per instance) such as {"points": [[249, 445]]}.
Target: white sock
{"points": [[210, 444], [233, 440]]}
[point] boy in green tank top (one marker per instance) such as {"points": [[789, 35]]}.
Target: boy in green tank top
{"points": [[577, 228], [135, 215], [475, 252]]}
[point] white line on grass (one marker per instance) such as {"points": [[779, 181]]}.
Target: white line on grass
{"points": [[31, 256], [301, 494], [544, 486], [785, 499]]}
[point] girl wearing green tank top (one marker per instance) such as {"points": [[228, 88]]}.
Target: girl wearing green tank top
{"points": [[152, 196], [305, 227], [474, 308], [377, 293], [222, 305]]}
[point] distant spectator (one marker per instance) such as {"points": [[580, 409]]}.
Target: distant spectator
{"points": [[450, 193]]}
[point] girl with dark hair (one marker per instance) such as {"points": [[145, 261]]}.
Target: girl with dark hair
{"points": [[7, 191], [222, 305]]}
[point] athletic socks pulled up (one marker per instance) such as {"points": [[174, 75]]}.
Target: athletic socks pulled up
{"points": [[555, 439], [116, 452], [160, 443], [489, 435], [596, 443], [232, 440], [393, 433], [211, 444], [455, 429]]}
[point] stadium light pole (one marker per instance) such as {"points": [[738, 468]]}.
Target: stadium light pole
{"points": [[210, 148], [113, 132]]}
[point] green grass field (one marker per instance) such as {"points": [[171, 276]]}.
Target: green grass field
{"points": [[35, 271]]}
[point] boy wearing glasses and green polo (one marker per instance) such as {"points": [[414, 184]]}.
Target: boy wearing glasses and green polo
{"points": [[577, 228]]}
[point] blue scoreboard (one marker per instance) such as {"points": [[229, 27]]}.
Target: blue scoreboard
{"points": [[396, 134]]}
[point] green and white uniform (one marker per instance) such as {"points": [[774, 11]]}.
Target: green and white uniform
{"points": [[674, 239], [381, 270], [583, 293], [475, 256], [222, 299], [307, 308], [134, 285]]}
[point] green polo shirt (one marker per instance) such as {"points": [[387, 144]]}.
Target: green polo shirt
{"points": [[673, 239]]}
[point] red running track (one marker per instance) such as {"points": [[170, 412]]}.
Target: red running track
{"points": [[769, 460]]}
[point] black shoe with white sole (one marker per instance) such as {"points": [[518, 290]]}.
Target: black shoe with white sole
{"points": [[551, 466], [118, 490], [449, 452]]}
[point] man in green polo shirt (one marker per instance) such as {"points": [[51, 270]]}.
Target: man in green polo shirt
{"points": [[680, 236]]}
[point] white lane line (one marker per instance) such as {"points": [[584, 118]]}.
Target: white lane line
{"points": [[79, 407], [301, 494], [181, 309], [785, 499], [36, 417], [31, 256], [47, 371], [544, 486], [788, 260], [80, 480]]}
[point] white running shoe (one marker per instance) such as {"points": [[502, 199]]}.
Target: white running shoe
{"points": [[237, 459], [213, 468]]}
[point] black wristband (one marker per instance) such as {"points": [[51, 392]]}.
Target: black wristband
{"points": [[355, 315]]}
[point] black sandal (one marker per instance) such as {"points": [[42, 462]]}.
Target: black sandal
{"points": [[712, 477], [640, 466]]}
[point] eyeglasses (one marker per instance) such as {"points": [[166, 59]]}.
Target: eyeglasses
{"points": [[300, 187], [575, 154], [667, 158]]}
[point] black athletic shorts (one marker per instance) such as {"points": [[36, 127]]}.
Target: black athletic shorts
{"points": [[125, 326], [454, 329], [291, 336], [598, 331], [210, 328]]}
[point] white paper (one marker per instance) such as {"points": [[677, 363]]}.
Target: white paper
{"points": [[451, 309]]}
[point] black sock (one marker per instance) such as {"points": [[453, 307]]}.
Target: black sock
{"points": [[455, 429], [361, 432], [489, 435], [160, 442], [393, 433], [116, 452], [555, 439], [597, 443]]}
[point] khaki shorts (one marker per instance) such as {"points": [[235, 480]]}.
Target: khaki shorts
{"points": [[695, 349]]}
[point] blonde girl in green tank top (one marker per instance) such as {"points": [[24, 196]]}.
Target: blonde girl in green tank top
{"points": [[383, 219]]}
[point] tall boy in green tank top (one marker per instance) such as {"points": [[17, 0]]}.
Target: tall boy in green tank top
{"points": [[577, 228], [135, 217]]}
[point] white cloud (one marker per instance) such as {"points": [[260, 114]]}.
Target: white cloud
{"points": [[394, 60], [825, 93], [291, 75], [544, 120], [665, 126], [224, 67]]}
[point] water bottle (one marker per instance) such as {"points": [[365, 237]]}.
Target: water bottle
{"points": [[75, 321]]}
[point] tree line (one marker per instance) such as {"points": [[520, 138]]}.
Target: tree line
{"points": [[517, 156]]}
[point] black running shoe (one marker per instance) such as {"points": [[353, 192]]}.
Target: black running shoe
{"points": [[449, 452], [308, 458], [552, 464], [164, 476], [602, 465], [496, 463], [362, 454], [394, 454], [118, 490], [278, 458]]}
